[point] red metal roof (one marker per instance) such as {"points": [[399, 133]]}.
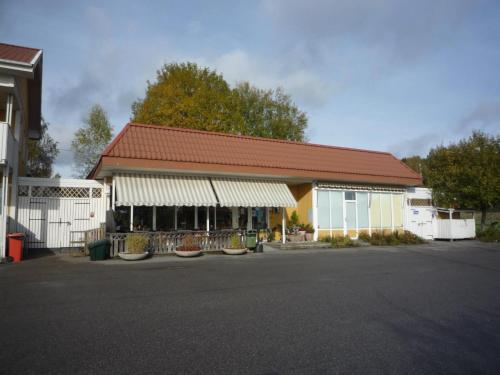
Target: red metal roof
{"points": [[17, 53], [141, 146]]}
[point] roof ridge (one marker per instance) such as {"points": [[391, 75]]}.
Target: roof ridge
{"points": [[18, 46], [273, 140]]}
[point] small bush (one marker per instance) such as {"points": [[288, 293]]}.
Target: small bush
{"points": [[363, 236], [136, 243], [189, 244], [326, 239], [392, 239], [345, 241], [490, 234], [236, 242]]}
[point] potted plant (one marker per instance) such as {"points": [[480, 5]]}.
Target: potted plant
{"points": [[135, 245], [236, 247], [309, 232], [189, 247]]}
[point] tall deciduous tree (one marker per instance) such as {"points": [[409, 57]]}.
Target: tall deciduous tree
{"points": [[269, 113], [90, 140], [41, 154], [466, 174], [185, 95]]}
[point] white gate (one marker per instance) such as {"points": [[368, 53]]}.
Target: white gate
{"points": [[48, 210]]}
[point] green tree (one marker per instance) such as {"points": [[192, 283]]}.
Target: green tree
{"points": [[41, 153], [269, 113], [466, 174], [90, 140], [185, 95], [418, 164]]}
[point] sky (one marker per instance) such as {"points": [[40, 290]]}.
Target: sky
{"points": [[397, 76]]}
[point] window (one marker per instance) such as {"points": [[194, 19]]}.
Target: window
{"points": [[165, 218], [122, 218], [350, 195], [185, 218], [224, 218], [385, 205], [259, 218], [143, 218], [323, 209], [362, 199], [336, 210]]}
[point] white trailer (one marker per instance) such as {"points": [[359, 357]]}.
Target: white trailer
{"points": [[430, 222]]}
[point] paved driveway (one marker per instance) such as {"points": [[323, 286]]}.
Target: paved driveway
{"points": [[419, 309]]}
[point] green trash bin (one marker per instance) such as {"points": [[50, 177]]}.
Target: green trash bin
{"points": [[99, 250], [251, 239]]}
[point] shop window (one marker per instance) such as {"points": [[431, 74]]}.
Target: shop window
{"points": [[224, 218], [143, 218], [362, 201], [165, 218], [122, 218], [185, 218], [259, 218]]}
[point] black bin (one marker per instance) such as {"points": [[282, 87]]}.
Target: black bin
{"points": [[99, 250]]}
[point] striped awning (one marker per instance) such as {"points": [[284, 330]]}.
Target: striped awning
{"points": [[252, 193], [163, 190]]}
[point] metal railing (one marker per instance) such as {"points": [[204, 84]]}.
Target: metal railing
{"points": [[166, 242]]}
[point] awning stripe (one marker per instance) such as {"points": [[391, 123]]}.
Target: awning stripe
{"points": [[252, 193], [163, 190]]}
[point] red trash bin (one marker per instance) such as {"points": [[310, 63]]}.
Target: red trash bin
{"points": [[16, 246]]}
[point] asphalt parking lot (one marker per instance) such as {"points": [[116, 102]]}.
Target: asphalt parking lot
{"points": [[415, 309]]}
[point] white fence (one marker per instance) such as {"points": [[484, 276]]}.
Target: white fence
{"points": [[455, 229], [49, 210]]}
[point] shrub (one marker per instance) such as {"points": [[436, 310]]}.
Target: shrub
{"points": [[136, 243], [363, 236], [345, 241], [326, 239], [490, 234], [236, 242], [392, 239], [189, 244], [294, 219]]}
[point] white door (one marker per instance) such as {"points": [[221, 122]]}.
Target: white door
{"points": [[420, 222]]}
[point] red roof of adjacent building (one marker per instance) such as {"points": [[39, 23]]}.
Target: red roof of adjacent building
{"points": [[17, 53], [153, 147]]}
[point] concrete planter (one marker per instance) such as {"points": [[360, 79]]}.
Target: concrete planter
{"points": [[133, 256], [234, 251], [187, 254], [309, 236]]}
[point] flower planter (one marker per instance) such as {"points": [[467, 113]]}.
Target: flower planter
{"points": [[133, 256], [234, 251], [187, 254], [309, 236]]}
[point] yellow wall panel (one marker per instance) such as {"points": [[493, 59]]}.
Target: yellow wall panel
{"points": [[397, 204]]}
